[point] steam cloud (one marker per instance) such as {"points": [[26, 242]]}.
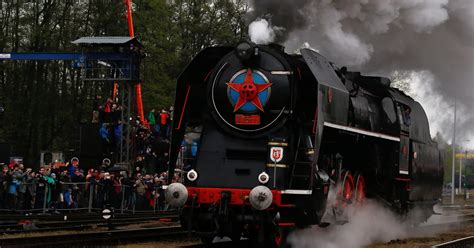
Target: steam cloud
{"points": [[262, 32], [365, 226], [427, 40]]}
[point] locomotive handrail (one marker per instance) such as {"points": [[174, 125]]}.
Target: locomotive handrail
{"points": [[361, 131]]}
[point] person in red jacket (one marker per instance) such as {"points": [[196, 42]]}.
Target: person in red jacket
{"points": [[164, 123], [108, 110]]}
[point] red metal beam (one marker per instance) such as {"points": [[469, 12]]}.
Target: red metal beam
{"points": [[184, 106], [128, 4], [138, 86]]}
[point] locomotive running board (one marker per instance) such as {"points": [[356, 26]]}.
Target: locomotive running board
{"points": [[286, 191], [360, 131], [296, 192]]}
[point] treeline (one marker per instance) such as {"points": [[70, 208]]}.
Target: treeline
{"points": [[46, 101]]}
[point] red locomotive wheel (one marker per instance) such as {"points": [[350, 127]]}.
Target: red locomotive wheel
{"points": [[281, 236], [278, 239], [347, 186], [360, 189]]}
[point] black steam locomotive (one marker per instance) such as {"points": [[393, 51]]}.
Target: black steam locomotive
{"points": [[276, 131]]}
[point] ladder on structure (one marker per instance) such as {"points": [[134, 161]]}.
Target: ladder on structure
{"points": [[303, 168]]}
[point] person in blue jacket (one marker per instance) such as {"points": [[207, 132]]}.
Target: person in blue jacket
{"points": [[104, 137]]}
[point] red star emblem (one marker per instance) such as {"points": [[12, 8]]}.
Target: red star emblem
{"points": [[248, 91]]}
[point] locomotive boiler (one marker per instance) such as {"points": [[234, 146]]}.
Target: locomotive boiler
{"points": [[275, 131]]}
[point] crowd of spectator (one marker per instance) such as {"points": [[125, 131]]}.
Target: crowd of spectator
{"points": [[152, 142], [55, 187], [150, 138], [109, 117], [68, 186]]}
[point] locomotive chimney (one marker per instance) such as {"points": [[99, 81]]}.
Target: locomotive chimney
{"points": [[246, 50]]}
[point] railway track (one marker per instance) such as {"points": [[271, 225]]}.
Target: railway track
{"points": [[453, 221], [5, 217], [464, 242], [455, 207], [97, 220], [47, 225], [108, 238], [78, 225], [176, 232], [429, 229]]}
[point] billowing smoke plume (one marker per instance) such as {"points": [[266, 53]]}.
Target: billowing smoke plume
{"points": [[262, 32], [282, 13], [431, 40]]}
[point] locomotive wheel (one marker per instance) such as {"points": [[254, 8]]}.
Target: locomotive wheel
{"points": [[344, 196], [281, 236], [360, 189], [279, 239], [347, 187]]}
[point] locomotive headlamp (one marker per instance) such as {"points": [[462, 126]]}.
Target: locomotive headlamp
{"points": [[263, 178], [261, 197], [245, 50], [192, 175], [176, 194]]}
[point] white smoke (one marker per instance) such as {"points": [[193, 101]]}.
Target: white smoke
{"points": [[344, 28], [334, 38], [439, 110], [359, 225], [367, 225], [307, 46], [435, 37], [262, 32]]}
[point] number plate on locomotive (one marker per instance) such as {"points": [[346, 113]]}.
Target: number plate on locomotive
{"points": [[247, 119]]}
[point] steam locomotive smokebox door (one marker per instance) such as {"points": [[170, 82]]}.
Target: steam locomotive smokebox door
{"points": [[277, 162]]}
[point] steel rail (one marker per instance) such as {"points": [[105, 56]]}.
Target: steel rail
{"points": [[79, 216], [48, 229], [463, 242], [95, 238], [6, 228], [439, 227]]}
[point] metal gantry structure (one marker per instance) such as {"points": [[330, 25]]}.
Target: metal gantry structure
{"points": [[121, 66]]}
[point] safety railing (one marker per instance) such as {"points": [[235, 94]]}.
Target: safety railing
{"points": [[44, 197]]}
